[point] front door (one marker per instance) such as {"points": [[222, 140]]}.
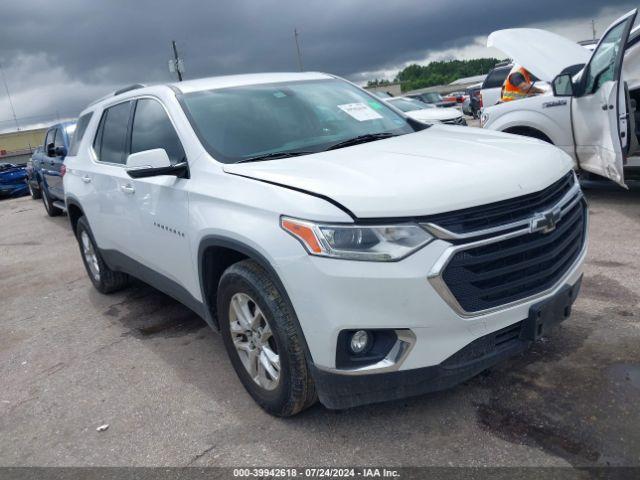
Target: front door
{"points": [[54, 174], [600, 117], [160, 236]]}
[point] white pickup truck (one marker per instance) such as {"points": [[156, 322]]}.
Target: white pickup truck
{"points": [[591, 111]]}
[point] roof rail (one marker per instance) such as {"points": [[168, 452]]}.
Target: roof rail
{"points": [[135, 86]]}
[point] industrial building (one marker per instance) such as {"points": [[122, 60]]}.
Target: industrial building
{"points": [[17, 147]]}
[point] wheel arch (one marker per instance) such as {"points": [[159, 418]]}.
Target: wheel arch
{"points": [[74, 212], [528, 131], [217, 253]]}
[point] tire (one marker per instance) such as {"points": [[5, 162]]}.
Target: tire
{"points": [[293, 390], [35, 194], [50, 208], [103, 278]]}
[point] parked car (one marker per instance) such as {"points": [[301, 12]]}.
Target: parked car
{"points": [[427, 113], [433, 98], [457, 97], [473, 102], [591, 111], [32, 178], [47, 167], [13, 180], [491, 90], [344, 251]]}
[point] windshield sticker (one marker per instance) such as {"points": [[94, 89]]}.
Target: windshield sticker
{"points": [[279, 94], [360, 111], [375, 105]]}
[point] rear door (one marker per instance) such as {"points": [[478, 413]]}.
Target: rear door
{"points": [[600, 116]]}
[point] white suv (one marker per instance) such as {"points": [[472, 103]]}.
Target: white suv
{"points": [[344, 251]]}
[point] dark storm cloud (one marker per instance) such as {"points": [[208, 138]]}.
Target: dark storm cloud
{"points": [[96, 44]]}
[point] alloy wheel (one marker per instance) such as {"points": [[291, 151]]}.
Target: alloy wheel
{"points": [[90, 255], [254, 341]]}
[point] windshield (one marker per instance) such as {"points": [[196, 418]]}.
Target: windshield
{"points": [[408, 104], [240, 123]]}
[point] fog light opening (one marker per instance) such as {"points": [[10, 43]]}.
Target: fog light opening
{"points": [[359, 341]]}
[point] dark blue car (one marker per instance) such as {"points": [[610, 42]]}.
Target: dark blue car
{"points": [[47, 167], [13, 180]]}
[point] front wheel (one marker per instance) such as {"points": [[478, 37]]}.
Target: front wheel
{"points": [[260, 335], [35, 193]]}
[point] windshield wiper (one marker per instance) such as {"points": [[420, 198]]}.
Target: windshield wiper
{"points": [[369, 137], [274, 155]]}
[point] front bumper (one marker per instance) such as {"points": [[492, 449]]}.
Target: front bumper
{"points": [[339, 391]]}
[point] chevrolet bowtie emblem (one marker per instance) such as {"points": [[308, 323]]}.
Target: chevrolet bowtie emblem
{"points": [[545, 222]]}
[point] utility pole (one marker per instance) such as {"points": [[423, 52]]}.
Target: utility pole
{"points": [[13, 110], [593, 28], [176, 64], [295, 37]]}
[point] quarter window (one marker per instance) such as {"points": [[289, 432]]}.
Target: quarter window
{"points": [[152, 129], [110, 140], [81, 127]]}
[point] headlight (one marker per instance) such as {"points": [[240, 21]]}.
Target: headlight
{"points": [[484, 118], [377, 243]]}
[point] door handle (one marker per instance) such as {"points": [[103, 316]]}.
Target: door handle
{"points": [[86, 179], [128, 188]]}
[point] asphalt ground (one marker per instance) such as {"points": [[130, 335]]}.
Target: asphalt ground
{"points": [[72, 359]]}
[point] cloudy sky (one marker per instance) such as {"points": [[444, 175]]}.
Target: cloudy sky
{"points": [[57, 56]]}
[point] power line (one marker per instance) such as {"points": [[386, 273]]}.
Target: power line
{"points": [[6, 87], [295, 37]]}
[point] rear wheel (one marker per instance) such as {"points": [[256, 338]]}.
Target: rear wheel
{"points": [[51, 209], [103, 278], [261, 338]]}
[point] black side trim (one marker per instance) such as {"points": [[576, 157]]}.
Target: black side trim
{"points": [[122, 263], [219, 241], [301, 190]]}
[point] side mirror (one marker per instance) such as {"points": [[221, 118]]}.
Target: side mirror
{"points": [[152, 163], [562, 85], [60, 151], [51, 150]]}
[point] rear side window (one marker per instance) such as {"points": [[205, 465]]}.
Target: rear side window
{"points": [[110, 140], [496, 78], [81, 127], [152, 128]]}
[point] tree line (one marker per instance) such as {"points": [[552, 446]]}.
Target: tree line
{"points": [[438, 73]]}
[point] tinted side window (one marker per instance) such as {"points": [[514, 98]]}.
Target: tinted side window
{"points": [[153, 129], [59, 138], [81, 127], [110, 139], [496, 77], [49, 138]]}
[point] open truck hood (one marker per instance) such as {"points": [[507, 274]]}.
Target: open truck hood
{"points": [[437, 170], [543, 53]]}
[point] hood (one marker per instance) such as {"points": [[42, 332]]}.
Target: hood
{"points": [[434, 114], [436, 170], [543, 53]]}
